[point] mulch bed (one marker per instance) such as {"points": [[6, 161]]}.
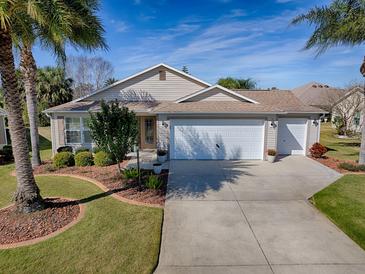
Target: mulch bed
{"points": [[333, 163], [17, 227], [111, 179]]}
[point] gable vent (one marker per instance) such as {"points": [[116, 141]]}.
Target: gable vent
{"points": [[162, 74]]}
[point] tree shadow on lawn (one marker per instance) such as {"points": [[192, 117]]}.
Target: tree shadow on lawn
{"points": [[349, 144]]}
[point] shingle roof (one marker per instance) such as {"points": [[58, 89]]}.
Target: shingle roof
{"points": [[317, 94], [268, 102]]}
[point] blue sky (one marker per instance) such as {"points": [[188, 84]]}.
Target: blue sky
{"points": [[217, 38]]}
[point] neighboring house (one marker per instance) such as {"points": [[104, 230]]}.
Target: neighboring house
{"points": [[3, 139], [349, 108], [318, 95], [196, 120]]}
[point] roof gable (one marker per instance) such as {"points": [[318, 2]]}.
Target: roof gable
{"points": [[145, 74], [216, 93]]}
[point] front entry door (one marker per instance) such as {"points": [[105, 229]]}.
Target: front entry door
{"points": [[148, 132]]}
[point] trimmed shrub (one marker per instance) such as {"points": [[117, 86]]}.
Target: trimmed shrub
{"points": [[64, 149], [7, 153], [96, 150], [102, 158], [271, 152], [81, 149], [351, 167], [130, 173], [153, 182], [84, 158], [317, 150], [63, 159]]}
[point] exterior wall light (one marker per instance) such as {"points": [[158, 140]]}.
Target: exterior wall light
{"points": [[273, 124], [165, 125], [315, 123]]}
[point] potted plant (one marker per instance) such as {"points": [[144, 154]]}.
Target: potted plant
{"points": [[157, 168], [271, 155], [161, 155]]}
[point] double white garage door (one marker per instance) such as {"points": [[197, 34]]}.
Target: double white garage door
{"points": [[217, 139]]}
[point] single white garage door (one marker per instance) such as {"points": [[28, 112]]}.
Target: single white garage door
{"points": [[292, 136], [206, 139]]}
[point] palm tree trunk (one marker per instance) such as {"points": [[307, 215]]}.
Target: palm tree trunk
{"points": [[362, 147], [29, 69], [27, 196]]}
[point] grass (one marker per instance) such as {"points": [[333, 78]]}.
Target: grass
{"points": [[113, 237], [45, 142], [342, 149], [343, 202]]}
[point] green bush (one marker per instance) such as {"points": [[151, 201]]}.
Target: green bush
{"points": [[81, 149], [351, 167], [130, 173], [64, 149], [7, 153], [96, 149], [84, 158], [153, 182], [102, 159], [63, 159]]}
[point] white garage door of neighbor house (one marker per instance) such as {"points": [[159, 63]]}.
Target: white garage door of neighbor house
{"points": [[292, 136], [208, 139]]}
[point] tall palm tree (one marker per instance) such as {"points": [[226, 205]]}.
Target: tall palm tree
{"points": [[340, 23], [83, 30], [20, 22], [27, 196]]}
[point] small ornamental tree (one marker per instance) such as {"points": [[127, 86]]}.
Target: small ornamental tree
{"points": [[114, 130]]}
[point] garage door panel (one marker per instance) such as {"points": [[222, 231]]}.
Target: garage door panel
{"points": [[217, 139], [292, 136]]}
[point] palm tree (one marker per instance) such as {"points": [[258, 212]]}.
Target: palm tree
{"points": [[237, 83], [82, 30], [110, 81], [27, 196], [20, 22], [340, 23]]}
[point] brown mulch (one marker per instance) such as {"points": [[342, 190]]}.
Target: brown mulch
{"points": [[17, 227], [111, 179], [333, 163]]}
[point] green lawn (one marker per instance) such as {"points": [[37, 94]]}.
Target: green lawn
{"points": [[344, 203], [45, 142], [342, 149], [113, 237]]}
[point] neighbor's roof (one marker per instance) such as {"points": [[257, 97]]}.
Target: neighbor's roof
{"points": [[317, 94], [268, 102]]}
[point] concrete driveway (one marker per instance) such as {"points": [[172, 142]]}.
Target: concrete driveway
{"points": [[252, 217]]}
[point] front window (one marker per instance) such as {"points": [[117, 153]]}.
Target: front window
{"points": [[77, 131], [357, 118]]}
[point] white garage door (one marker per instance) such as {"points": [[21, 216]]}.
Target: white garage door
{"points": [[292, 136], [217, 139]]}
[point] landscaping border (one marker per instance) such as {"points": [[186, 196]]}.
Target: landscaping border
{"points": [[51, 235], [103, 188]]}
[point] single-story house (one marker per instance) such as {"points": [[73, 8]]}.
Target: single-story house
{"points": [[3, 138], [350, 107], [318, 95], [193, 119]]}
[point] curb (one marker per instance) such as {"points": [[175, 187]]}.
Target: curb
{"points": [[51, 235], [102, 187]]}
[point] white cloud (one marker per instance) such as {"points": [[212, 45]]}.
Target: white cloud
{"points": [[265, 49], [119, 26]]}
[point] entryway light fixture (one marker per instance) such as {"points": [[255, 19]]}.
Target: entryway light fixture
{"points": [[273, 124], [315, 122]]}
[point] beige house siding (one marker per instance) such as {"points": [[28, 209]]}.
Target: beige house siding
{"points": [[272, 134], [174, 87], [163, 132], [313, 132], [214, 95], [2, 132]]}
